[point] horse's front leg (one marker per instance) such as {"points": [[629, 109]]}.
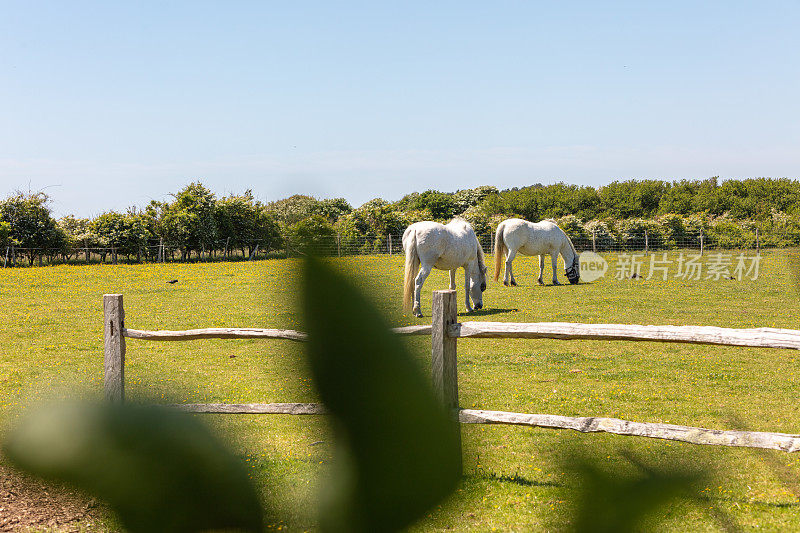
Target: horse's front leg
{"points": [[508, 278], [424, 272], [453, 279], [554, 260], [541, 270], [466, 291]]}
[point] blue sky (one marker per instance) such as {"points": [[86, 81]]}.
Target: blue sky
{"points": [[108, 104]]}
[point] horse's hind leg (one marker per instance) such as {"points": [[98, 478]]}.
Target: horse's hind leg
{"points": [[508, 277], [541, 270], [554, 260], [424, 272], [467, 304], [453, 279]]}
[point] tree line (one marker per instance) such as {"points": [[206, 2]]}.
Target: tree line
{"points": [[196, 221]]}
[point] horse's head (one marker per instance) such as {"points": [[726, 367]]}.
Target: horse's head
{"points": [[477, 284], [574, 271]]}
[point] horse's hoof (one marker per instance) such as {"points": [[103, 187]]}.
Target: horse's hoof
{"points": [[513, 283], [418, 314], [505, 283], [540, 282]]}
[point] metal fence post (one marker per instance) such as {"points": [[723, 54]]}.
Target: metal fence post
{"points": [[114, 348], [444, 369]]}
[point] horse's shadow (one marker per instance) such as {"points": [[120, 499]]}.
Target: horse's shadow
{"points": [[551, 284], [487, 312]]}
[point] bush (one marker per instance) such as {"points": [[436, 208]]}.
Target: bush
{"points": [[604, 238], [312, 236]]}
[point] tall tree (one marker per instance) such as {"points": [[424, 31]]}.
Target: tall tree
{"points": [[189, 223], [30, 224]]}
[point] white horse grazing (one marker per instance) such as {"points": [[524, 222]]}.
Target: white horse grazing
{"points": [[534, 238], [446, 247]]}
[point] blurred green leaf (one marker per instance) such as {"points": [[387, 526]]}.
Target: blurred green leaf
{"points": [[398, 452], [161, 470]]}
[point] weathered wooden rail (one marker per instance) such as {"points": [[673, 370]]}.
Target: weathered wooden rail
{"points": [[445, 330]]}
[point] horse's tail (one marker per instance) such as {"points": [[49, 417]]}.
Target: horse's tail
{"points": [[500, 250], [412, 266]]}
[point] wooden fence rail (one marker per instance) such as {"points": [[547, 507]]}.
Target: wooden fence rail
{"points": [[445, 331]]}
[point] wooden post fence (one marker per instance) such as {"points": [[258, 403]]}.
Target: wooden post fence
{"points": [[701, 241], [114, 378], [444, 365], [594, 240], [445, 331], [758, 243]]}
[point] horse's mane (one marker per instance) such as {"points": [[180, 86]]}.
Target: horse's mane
{"points": [[574, 251], [481, 258]]}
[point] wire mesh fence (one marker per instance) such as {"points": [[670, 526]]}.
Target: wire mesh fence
{"points": [[342, 245]]}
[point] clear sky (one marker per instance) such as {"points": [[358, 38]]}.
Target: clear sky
{"points": [[110, 104]]}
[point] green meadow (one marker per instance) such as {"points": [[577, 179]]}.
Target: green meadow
{"points": [[516, 478]]}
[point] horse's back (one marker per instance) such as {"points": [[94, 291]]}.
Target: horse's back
{"points": [[533, 238], [444, 246]]}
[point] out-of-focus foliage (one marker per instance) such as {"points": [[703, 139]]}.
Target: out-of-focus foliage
{"points": [[160, 470], [398, 452]]}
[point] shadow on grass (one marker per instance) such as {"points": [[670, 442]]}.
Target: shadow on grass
{"points": [[488, 312], [743, 501], [515, 479]]}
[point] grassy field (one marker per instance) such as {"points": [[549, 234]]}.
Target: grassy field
{"points": [[515, 479]]}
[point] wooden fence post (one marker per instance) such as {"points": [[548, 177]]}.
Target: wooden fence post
{"points": [[114, 360], [444, 366], [646, 243], [390, 245], [758, 243], [701, 241], [594, 240]]}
